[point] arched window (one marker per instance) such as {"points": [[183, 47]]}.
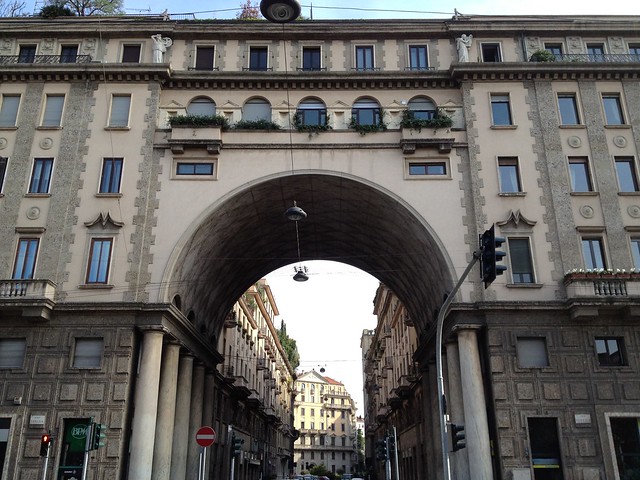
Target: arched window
{"points": [[201, 106], [256, 109], [366, 111], [422, 108], [312, 112]]}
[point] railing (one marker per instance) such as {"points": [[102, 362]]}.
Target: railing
{"points": [[591, 57], [44, 59], [27, 289]]}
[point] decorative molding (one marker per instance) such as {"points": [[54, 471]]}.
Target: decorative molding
{"points": [[103, 219]]}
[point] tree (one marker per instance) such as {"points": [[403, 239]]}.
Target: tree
{"points": [[289, 345], [248, 11], [12, 8], [85, 8]]}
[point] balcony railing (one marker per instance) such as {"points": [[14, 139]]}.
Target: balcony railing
{"points": [[600, 58], [43, 59]]}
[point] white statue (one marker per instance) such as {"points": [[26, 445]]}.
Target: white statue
{"points": [[160, 45], [463, 43]]}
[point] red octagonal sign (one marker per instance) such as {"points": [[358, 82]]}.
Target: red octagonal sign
{"points": [[205, 436]]}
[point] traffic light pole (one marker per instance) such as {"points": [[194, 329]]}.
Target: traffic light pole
{"points": [[442, 407]]}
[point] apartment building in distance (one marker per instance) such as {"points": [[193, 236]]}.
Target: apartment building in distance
{"points": [[325, 416]]}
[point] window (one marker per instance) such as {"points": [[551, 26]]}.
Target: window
{"points": [[568, 108], [9, 110], [52, 116], [635, 252], [418, 57], [579, 173], [627, 175], [595, 51], [201, 106], [205, 56], [111, 175], [311, 112], [256, 109], [612, 109], [364, 57], [366, 112], [27, 54], [41, 175], [490, 52], [311, 58], [131, 53], [68, 53], [25, 263], [99, 261], [120, 106], [593, 253], [610, 351], [3, 170], [88, 352], [509, 175], [532, 352], [422, 108], [12, 352], [555, 48], [520, 259], [194, 168], [427, 168], [258, 58], [500, 110]]}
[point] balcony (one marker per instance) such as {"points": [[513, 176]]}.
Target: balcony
{"points": [[589, 293], [44, 59], [28, 298]]}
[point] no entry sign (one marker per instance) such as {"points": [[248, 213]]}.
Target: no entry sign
{"points": [[205, 436]]}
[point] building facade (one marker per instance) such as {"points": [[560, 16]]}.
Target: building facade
{"points": [[128, 237], [325, 417]]}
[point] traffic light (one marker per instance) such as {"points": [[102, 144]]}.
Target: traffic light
{"points": [[44, 445], [489, 256], [236, 445], [98, 436], [381, 450], [457, 437]]}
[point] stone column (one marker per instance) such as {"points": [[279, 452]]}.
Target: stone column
{"points": [[195, 420], [146, 406], [166, 412], [181, 425], [459, 460], [475, 410]]}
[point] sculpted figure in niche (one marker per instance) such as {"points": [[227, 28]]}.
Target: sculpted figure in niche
{"points": [[463, 43], [160, 45]]}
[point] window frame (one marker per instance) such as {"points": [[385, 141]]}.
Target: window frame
{"points": [[410, 56], [11, 343], [126, 54], [53, 110], [513, 162], [40, 184], [628, 181], [615, 116], [496, 100], [521, 355], [498, 51], [26, 258], [590, 241], [575, 104], [99, 269], [114, 121], [5, 114], [361, 54], [111, 179], [518, 277]]}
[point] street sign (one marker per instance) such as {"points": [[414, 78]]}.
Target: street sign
{"points": [[205, 436]]}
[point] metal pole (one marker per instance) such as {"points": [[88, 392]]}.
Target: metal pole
{"points": [[444, 310], [395, 453]]}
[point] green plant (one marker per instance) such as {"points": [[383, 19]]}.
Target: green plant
{"points": [[439, 120], [199, 121], [368, 128], [542, 56], [257, 125], [301, 127]]}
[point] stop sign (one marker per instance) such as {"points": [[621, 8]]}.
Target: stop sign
{"points": [[205, 436]]}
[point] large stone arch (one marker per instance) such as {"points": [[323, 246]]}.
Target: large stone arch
{"points": [[244, 235]]}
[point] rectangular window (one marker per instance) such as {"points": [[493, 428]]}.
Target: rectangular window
{"points": [[500, 110], [120, 106], [258, 58], [111, 175], [532, 352], [68, 53], [88, 352], [627, 174], [131, 53], [194, 168], [509, 175], [26, 255], [27, 54], [99, 261], [635, 252], [41, 175], [520, 259], [555, 48], [9, 110], [612, 109], [610, 351], [204, 57], [593, 253], [364, 57], [418, 57], [52, 116], [12, 352], [4, 161], [579, 173], [491, 52], [311, 58], [428, 168], [595, 51], [568, 108]]}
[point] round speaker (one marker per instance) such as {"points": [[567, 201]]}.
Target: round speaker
{"points": [[280, 11]]}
